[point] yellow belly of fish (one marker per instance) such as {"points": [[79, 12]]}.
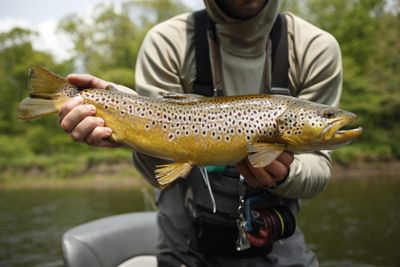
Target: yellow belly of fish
{"points": [[193, 149]]}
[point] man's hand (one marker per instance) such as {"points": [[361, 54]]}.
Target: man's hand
{"points": [[78, 119], [269, 175]]}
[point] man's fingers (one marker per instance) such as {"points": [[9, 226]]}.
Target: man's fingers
{"points": [[78, 119], [68, 106], [82, 130], [286, 158], [86, 81], [98, 137], [76, 115], [270, 174], [247, 174], [263, 177], [254, 176], [277, 170]]}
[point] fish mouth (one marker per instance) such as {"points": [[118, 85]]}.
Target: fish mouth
{"points": [[334, 134]]}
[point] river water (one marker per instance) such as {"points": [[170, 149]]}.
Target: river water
{"points": [[355, 222]]}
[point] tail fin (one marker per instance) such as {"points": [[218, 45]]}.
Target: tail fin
{"points": [[44, 88]]}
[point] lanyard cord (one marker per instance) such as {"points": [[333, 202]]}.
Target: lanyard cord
{"points": [[216, 63], [216, 60]]}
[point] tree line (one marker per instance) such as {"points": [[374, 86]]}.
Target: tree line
{"points": [[107, 44]]}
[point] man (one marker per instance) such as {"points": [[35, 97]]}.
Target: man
{"points": [[167, 63]]}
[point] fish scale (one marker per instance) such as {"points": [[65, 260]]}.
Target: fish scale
{"points": [[194, 130]]}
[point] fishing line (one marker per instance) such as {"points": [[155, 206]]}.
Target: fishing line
{"points": [[204, 173]]}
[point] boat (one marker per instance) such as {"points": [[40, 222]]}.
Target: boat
{"points": [[126, 240]]}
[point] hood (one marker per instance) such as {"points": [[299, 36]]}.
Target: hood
{"points": [[243, 37]]}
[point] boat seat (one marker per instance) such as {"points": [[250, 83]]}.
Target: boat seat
{"points": [[127, 240]]}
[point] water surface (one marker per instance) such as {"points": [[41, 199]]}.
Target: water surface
{"points": [[32, 221], [355, 222]]}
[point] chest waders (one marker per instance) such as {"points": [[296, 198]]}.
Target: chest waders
{"points": [[217, 233]]}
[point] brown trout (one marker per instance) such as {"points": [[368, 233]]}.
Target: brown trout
{"points": [[193, 130]]}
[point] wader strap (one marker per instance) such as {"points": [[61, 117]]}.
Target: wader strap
{"points": [[203, 84], [280, 58]]}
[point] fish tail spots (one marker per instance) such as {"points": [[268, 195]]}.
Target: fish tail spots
{"points": [[44, 88], [166, 174]]}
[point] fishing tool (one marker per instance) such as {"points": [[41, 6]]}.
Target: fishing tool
{"points": [[260, 222], [242, 243]]}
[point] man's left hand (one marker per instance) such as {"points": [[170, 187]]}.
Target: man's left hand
{"points": [[269, 175]]}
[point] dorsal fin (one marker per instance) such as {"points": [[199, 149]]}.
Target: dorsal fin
{"points": [[111, 88], [182, 98]]}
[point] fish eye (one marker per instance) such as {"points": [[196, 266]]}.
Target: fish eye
{"points": [[329, 114]]}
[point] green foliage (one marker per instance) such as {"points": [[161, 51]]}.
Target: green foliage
{"points": [[106, 45], [368, 33]]}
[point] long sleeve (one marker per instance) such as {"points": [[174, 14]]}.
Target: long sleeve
{"points": [[315, 75], [166, 58]]}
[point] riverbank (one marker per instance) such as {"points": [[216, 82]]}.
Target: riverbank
{"points": [[103, 176], [123, 175], [364, 169]]}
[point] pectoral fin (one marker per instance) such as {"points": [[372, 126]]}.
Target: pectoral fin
{"points": [[166, 174], [262, 154]]}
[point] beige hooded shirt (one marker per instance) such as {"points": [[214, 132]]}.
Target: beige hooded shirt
{"points": [[166, 63]]}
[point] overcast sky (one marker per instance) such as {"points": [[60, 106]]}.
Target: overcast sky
{"points": [[43, 15]]}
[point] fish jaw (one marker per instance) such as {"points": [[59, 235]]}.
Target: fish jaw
{"points": [[334, 136], [347, 136], [328, 137]]}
